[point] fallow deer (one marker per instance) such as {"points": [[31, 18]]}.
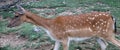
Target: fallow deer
{"points": [[63, 29]]}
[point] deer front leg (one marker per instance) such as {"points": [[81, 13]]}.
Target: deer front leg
{"points": [[114, 41], [57, 45], [65, 44], [103, 44]]}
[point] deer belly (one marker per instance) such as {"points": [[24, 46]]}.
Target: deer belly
{"points": [[85, 32], [78, 38]]}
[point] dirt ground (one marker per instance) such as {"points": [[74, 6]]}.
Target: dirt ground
{"points": [[14, 40]]}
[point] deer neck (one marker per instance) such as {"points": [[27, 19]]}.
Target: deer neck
{"points": [[38, 20]]}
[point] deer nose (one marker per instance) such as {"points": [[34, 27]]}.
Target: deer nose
{"points": [[9, 26]]}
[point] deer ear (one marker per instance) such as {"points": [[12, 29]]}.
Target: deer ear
{"points": [[20, 10]]}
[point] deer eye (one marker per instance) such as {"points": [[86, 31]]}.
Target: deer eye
{"points": [[16, 16]]}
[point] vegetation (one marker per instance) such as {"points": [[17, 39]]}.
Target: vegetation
{"points": [[57, 7]]}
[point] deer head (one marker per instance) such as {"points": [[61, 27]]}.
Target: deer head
{"points": [[19, 17]]}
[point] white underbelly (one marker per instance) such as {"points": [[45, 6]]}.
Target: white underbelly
{"points": [[79, 30], [78, 38]]}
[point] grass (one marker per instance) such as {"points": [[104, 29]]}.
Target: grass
{"points": [[26, 29]]}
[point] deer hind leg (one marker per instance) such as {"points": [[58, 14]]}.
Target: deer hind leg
{"points": [[65, 44], [114, 41], [57, 45], [103, 44]]}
